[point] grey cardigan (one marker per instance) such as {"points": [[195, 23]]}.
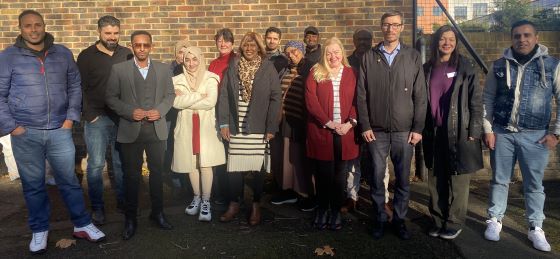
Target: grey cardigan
{"points": [[264, 106]]}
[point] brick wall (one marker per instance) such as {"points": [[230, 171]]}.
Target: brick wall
{"points": [[73, 23]]}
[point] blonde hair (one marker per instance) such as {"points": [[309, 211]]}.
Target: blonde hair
{"points": [[253, 36], [321, 70]]}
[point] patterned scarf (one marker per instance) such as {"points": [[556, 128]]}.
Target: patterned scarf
{"points": [[247, 70]]}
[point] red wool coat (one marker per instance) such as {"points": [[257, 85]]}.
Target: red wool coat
{"points": [[319, 103]]}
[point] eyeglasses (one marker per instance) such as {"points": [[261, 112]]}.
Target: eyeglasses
{"points": [[140, 45], [391, 25]]}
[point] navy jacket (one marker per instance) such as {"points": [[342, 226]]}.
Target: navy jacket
{"points": [[38, 94]]}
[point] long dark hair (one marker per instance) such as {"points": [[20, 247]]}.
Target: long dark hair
{"points": [[434, 46]]}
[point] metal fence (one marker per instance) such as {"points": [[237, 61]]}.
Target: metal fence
{"points": [[493, 15]]}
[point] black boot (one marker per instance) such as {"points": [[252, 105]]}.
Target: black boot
{"points": [[160, 220], [129, 228]]}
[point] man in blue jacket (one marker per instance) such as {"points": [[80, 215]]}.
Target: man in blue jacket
{"points": [[517, 111], [40, 98]]}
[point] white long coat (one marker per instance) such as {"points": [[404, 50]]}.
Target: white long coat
{"points": [[212, 151]]}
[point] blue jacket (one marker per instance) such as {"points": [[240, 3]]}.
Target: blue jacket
{"points": [[35, 93], [518, 97]]}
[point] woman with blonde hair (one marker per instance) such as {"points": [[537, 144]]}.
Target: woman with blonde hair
{"points": [[330, 102], [248, 109], [197, 144]]}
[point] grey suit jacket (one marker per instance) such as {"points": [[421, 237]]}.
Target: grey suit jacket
{"points": [[121, 97]]}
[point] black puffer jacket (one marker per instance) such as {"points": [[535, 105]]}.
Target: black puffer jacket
{"points": [[464, 120]]}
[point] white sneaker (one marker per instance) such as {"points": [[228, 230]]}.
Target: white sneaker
{"points": [[493, 229], [205, 212], [192, 209], [38, 243], [90, 233], [538, 239]]}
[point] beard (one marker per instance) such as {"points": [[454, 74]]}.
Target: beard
{"points": [[111, 46]]}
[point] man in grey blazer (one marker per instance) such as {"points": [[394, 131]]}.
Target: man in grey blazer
{"points": [[140, 91]]}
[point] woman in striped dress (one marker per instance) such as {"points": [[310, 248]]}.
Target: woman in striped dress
{"points": [[331, 115], [248, 110], [288, 150]]}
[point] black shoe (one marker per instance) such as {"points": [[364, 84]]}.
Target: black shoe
{"points": [[98, 217], [321, 218], [129, 229], [335, 220], [402, 232], [160, 220], [378, 230], [285, 197], [450, 233], [308, 204]]}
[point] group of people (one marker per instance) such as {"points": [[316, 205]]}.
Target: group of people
{"points": [[308, 114]]}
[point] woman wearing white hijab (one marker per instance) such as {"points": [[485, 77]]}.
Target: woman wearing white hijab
{"points": [[197, 143]]}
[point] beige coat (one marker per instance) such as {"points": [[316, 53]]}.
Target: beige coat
{"points": [[212, 151]]}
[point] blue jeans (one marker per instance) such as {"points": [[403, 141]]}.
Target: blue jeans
{"points": [[395, 146], [98, 135], [533, 158], [30, 150]]}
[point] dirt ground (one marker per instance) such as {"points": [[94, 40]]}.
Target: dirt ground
{"points": [[284, 233]]}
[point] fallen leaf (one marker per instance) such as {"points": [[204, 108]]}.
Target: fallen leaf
{"points": [[65, 243], [328, 250], [319, 251]]}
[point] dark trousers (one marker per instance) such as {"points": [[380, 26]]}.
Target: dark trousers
{"points": [[449, 192], [395, 145], [220, 185], [236, 184], [132, 159], [330, 179]]}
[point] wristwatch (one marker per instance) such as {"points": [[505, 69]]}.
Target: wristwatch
{"points": [[353, 121]]}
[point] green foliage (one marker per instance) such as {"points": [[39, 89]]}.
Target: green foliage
{"points": [[510, 11]]}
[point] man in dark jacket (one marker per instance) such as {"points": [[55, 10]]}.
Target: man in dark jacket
{"points": [[40, 98], [391, 112], [312, 46], [272, 38], [100, 128], [140, 91]]}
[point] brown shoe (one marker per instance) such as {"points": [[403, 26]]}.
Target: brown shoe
{"points": [[255, 217], [350, 205], [232, 211], [389, 212]]}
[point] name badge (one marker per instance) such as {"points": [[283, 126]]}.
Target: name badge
{"points": [[451, 74]]}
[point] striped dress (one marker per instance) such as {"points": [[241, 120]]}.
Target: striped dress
{"points": [[247, 152]]}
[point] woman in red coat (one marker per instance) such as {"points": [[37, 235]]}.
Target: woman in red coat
{"points": [[329, 98]]}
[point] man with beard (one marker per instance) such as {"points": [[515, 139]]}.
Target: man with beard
{"points": [[40, 99], [100, 129], [272, 39], [312, 46], [140, 91]]}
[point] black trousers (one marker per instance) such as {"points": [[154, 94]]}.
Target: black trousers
{"points": [[236, 183], [449, 192], [132, 159], [330, 179]]}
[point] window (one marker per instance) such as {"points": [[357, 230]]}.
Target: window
{"points": [[460, 13], [420, 11], [436, 11], [480, 9]]}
